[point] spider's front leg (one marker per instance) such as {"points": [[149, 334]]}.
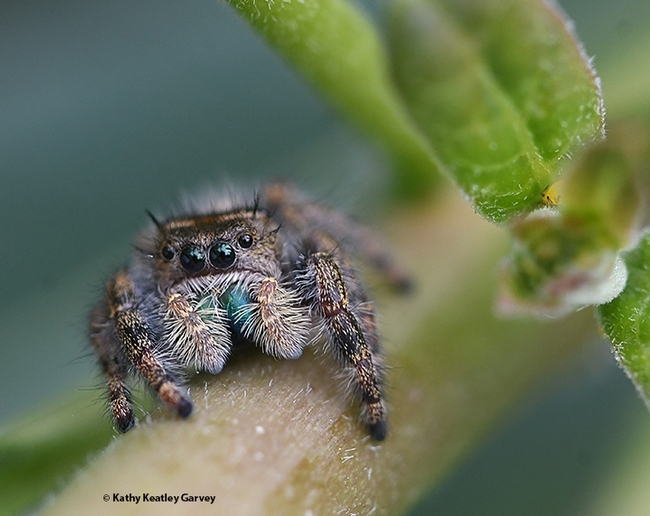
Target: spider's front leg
{"points": [[125, 334], [350, 329], [113, 364]]}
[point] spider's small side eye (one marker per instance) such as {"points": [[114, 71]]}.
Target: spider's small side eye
{"points": [[222, 255], [192, 259], [245, 240], [167, 252]]}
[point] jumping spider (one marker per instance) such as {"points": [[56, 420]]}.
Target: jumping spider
{"points": [[275, 272]]}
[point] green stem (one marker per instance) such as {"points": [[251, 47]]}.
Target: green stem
{"points": [[277, 437]]}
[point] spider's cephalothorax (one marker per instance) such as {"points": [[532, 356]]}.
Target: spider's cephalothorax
{"points": [[275, 273]]}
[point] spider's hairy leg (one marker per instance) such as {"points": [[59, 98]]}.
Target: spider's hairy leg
{"points": [[136, 338], [113, 366], [322, 276]]}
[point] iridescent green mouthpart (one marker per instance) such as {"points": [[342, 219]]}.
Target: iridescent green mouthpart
{"points": [[233, 300]]}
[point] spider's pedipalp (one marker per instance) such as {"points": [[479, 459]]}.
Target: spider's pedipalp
{"points": [[197, 332], [277, 322]]}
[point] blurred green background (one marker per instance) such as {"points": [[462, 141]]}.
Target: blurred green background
{"points": [[110, 109]]}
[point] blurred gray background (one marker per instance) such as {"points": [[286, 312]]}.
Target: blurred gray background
{"points": [[108, 109]]}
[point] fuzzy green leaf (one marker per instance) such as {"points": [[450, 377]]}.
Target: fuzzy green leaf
{"points": [[626, 320], [502, 91]]}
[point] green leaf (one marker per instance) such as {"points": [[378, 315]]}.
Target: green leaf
{"points": [[334, 45], [626, 320], [502, 91]]}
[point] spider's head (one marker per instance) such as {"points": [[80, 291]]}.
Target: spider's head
{"points": [[216, 244]]}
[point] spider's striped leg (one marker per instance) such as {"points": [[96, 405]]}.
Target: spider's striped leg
{"points": [[323, 285], [135, 338]]}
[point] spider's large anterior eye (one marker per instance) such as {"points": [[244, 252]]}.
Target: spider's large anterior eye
{"points": [[222, 255], [192, 259], [245, 240]]}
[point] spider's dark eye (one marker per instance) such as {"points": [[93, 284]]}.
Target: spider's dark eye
{"points": [[222, 255], [167, 252], [245, 241], [192, 259]]}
